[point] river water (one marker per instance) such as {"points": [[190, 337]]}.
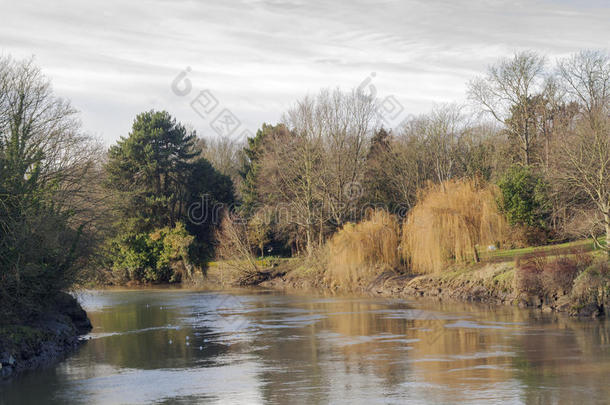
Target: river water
{"points": [[242, 347]]}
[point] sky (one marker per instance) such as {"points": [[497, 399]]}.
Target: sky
{"points": [[253, 59]]}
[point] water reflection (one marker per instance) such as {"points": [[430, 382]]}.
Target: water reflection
{"points": [[177, 346]]}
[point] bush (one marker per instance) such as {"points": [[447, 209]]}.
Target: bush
{"points": [[559, 274], [524, 200], [359, 251], [161, 256], [592, 286], [528, 277], [448, 222], [235, 248], [548, 274]]}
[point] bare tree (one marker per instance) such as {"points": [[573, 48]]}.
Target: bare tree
{"points": [[48, 197], [509, 91], [444, 130], [291, 171], [585, 168], [225, 154], [309, 170], [234, 246], [586, 77], [583, 161]]}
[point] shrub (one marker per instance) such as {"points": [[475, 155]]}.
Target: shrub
{"points": [[359, 251], [524, 201], [161, 256], [592, 286], [559, 274], [448, 222], [528, 277], [234, 246], [549, 273]]}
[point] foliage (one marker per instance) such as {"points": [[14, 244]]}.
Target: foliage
{"points": [[45, 210], [160, 256], [359, 251], [593, 285], [253, 152], [524, 200], [158, 183], [448, 223]]}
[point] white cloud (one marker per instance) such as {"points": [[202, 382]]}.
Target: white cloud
{"points": [[115, 59]]}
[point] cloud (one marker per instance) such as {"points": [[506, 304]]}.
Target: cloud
{"points": [[115, 58]]}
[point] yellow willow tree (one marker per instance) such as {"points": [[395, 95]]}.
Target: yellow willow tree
{"points": [[448, 222], [359, 251]]}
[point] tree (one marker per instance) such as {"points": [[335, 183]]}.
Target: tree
{"points": [[378, 189], [585, 169], [207, 192], [253, 152], [225, 155], [312, 172], [148, 169], [47, 199], [160, 186], [259, 229], [584, 162], [525, 201], [443, 132], [586, 78], [508, 93]]}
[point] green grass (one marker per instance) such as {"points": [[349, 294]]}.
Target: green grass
{"points": [[511, 254]]}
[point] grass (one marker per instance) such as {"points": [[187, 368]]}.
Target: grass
{"points": [[504, 255]]}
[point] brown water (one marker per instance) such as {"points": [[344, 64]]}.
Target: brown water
{"points": [[178, 346]]}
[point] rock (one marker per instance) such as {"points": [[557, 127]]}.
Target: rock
{"points": [[586, 310], [6, 371]]}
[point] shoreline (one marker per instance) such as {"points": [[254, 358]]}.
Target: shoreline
{"points": [[490, 283], [44, 341]]}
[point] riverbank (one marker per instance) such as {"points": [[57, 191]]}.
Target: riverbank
{"points": [[495, 283], [43, 340]]}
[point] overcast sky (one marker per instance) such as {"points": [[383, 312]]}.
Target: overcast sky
{"points": [[115, 58]]}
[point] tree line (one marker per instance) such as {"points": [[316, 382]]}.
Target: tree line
{"points": [[540, 131]]}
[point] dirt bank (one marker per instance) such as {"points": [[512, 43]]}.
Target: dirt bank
{"points": [[489, 283]]}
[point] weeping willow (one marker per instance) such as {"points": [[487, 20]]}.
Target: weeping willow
{"points": [[448, 223], [360, 250]]}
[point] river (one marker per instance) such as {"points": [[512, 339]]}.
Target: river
{"points": [[249, 347]]}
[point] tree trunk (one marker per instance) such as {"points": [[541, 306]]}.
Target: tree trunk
{"points": [[309, 246], [607, 223]]}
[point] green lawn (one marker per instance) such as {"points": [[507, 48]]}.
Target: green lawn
{"points": [[511, 254]]}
